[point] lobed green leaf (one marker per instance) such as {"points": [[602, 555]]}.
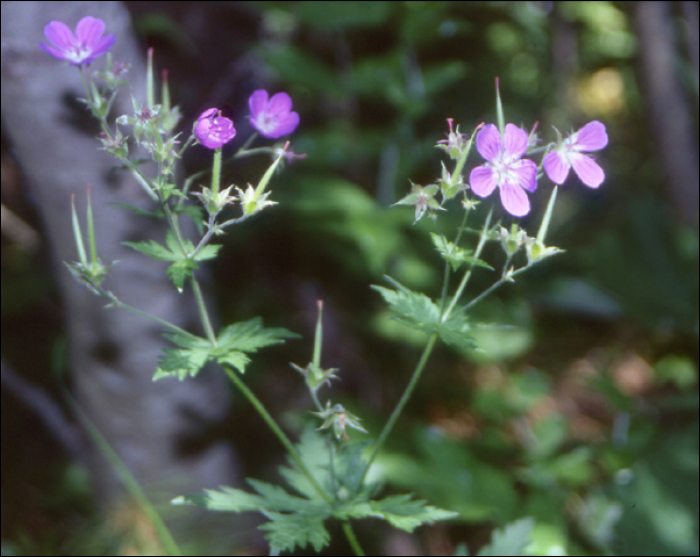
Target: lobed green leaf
{"points": [[286, 531], [153, 249], [418, 311]]}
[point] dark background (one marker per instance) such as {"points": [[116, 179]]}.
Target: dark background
{"points": [[584, 414]]}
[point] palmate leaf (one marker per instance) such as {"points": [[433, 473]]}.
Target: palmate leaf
{"points": [[246, 336], [233, 342], [418, 311], [298, 520], [294, 520], [183, 265]]}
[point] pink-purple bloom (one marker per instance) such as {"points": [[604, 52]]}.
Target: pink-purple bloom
{"points": [[81, 48], [571, 152], [214, 130], [273, 118], [505, 168]]}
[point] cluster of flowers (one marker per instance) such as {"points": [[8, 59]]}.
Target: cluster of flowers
{"points": [[271, 117], [513, 174]]}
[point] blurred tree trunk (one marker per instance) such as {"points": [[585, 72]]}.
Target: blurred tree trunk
{"points": [[156, 428], [668, 106]]}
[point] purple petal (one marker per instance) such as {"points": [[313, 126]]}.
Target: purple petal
{"points": [[589, 172], [515, 142], [514, 200], [201, 130], [591, 137], [208, 113], [488, 142], [89, 30], [557, 166], [526, 172], [285, 125], [52, 51], [102, 45], [257, 102], [483, 180], [60, 35], [280, 103]]}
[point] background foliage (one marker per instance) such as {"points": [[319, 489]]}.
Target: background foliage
{"points": [[582, 415]]}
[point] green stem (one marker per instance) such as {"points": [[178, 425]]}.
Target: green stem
{"points": [[547, 215], [216, 172], [91, 230], [118, 303], [318, 336], [203, 313], [468, 274], [272, 424], [495, 285], [400, 406], [350, 535]]}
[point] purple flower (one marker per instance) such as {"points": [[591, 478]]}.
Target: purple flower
{"points": [[213, 130], [590, 137], [505, 168], [273, 118], [81, 48]]}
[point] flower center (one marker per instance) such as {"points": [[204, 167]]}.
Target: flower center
{"points": [[503, 170], [79, 52], [268, 122]]}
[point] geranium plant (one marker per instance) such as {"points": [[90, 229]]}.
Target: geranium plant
{"points": [[328, 473]]}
